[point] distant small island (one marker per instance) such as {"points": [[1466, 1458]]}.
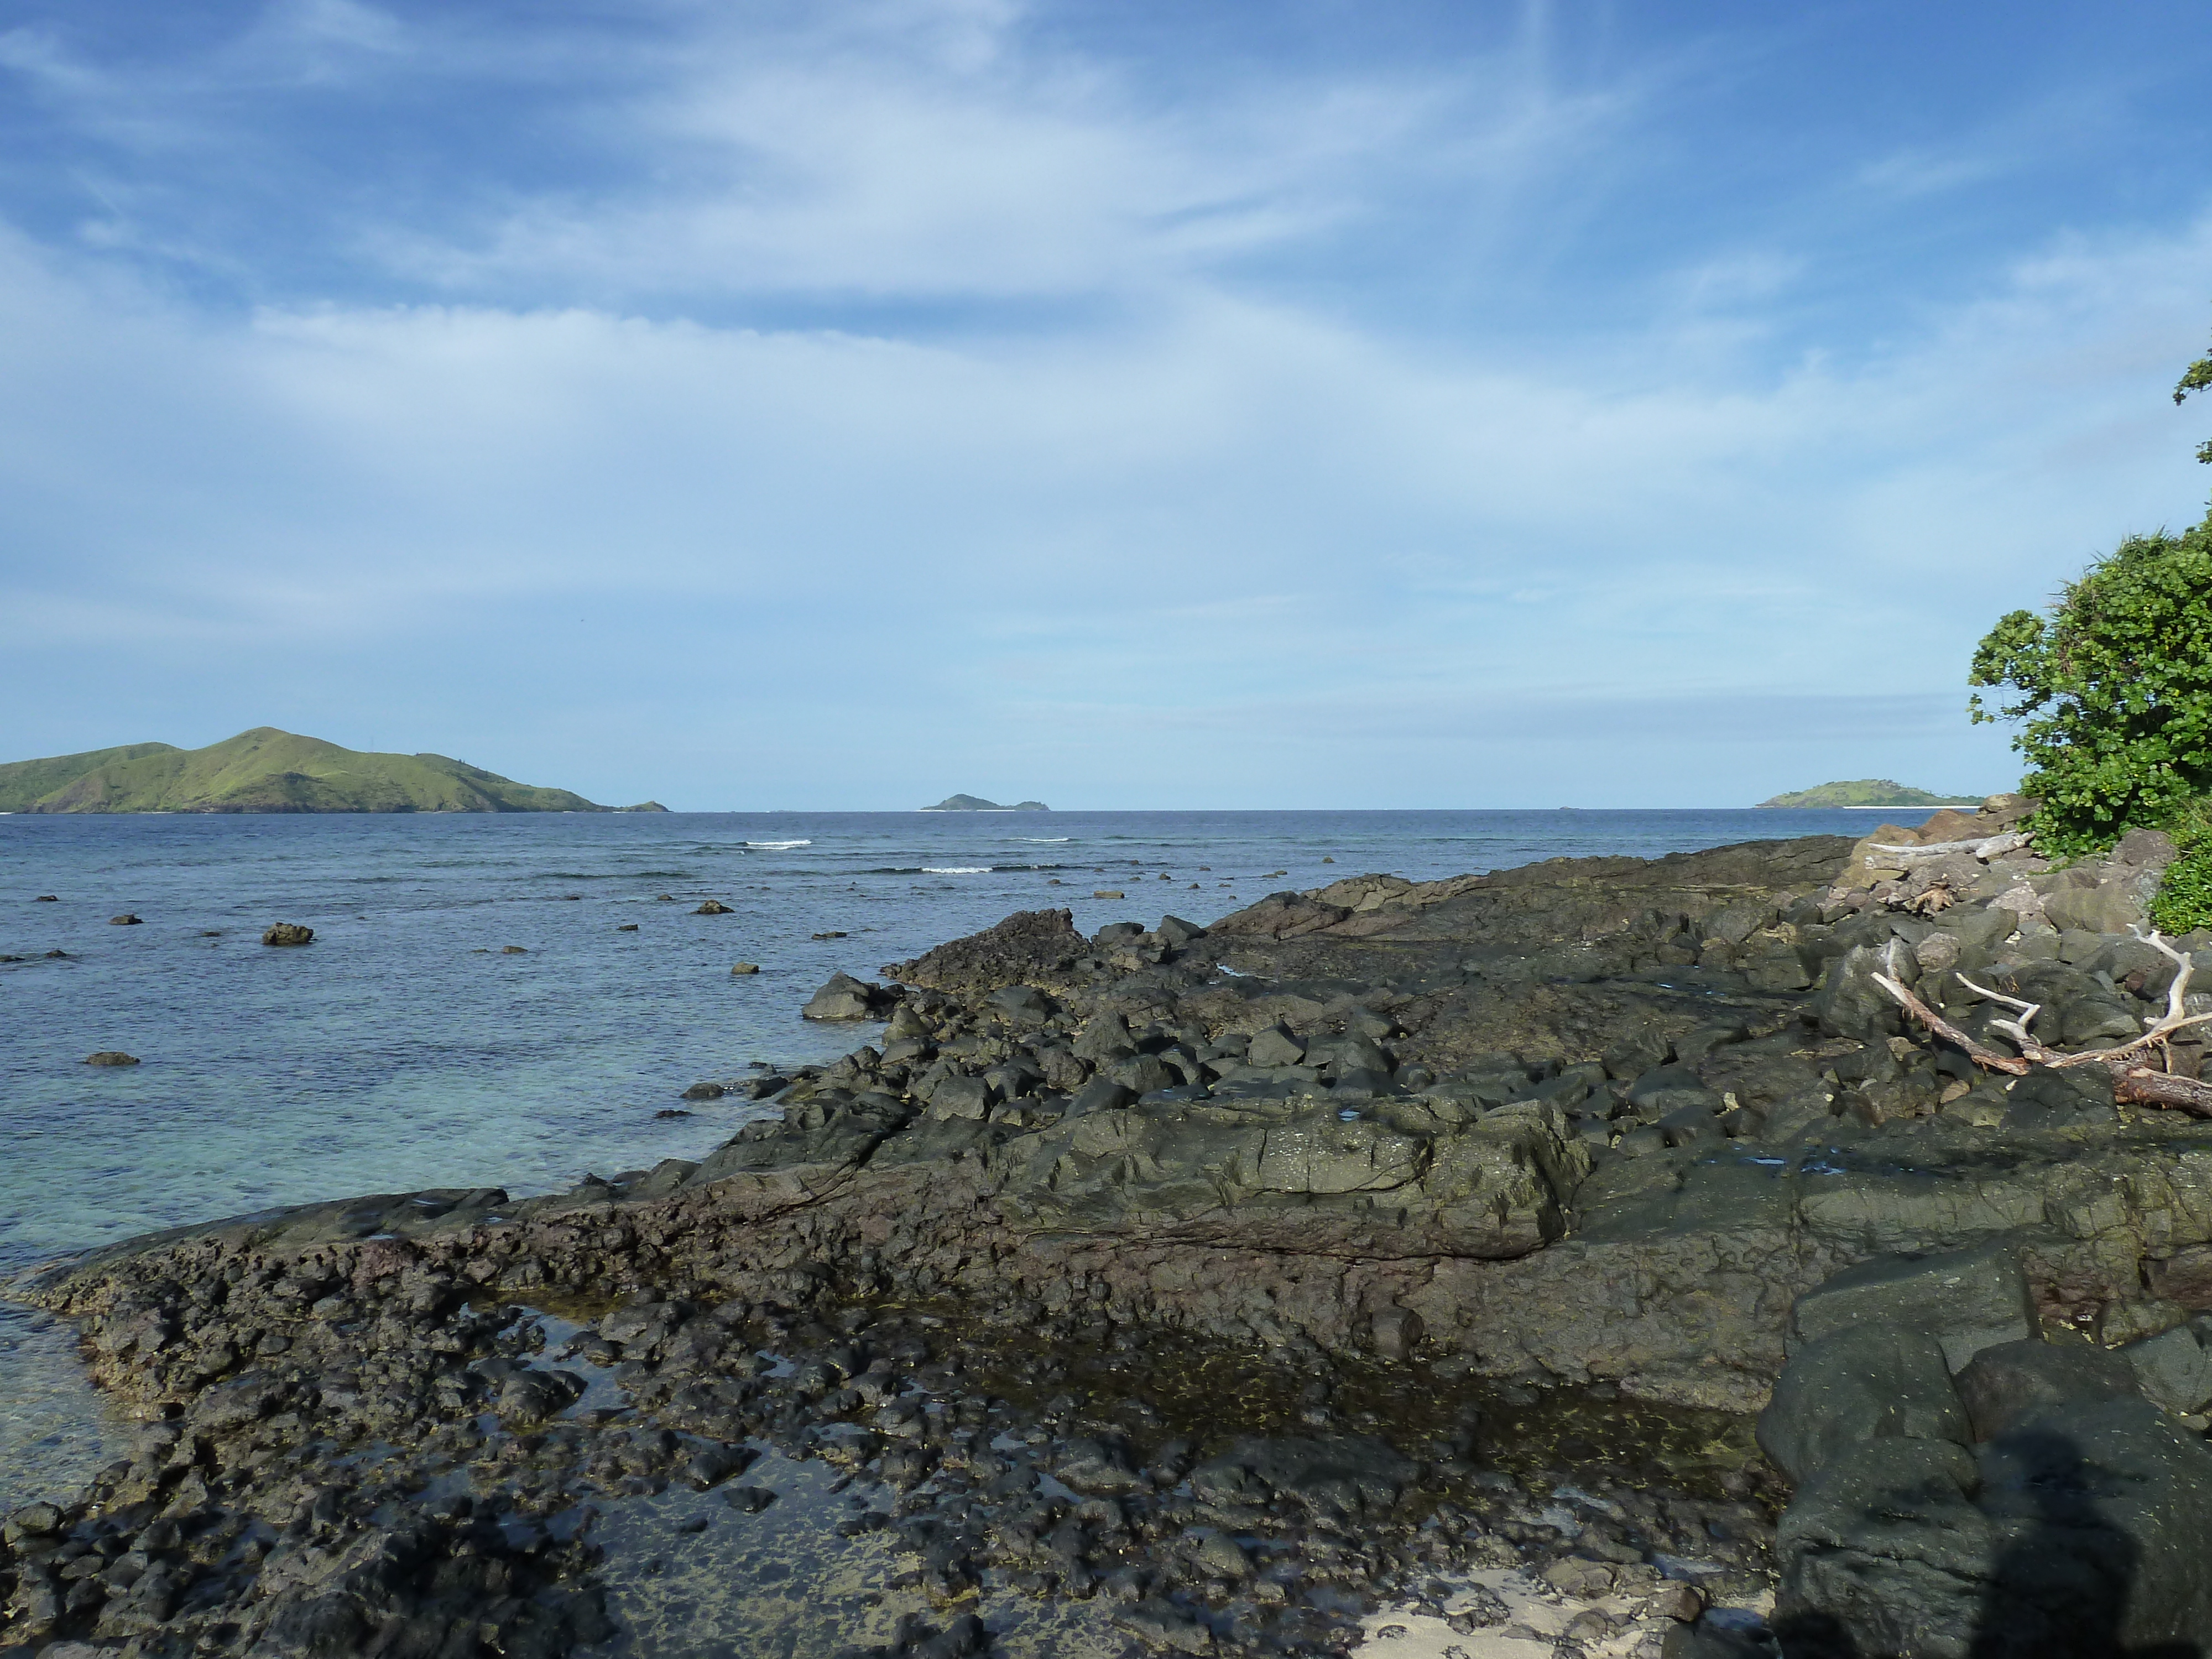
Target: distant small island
{"points": [[1868, 791], [977, 803], [266, 770]]}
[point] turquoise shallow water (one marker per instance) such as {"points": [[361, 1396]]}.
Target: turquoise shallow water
{"points": [[405, 1048]]}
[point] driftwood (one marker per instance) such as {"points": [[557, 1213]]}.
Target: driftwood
{"points": [[1990, 1059], [1986, 848], [2139, 1086], [2131, 1081]]}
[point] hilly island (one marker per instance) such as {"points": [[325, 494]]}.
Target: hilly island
{"points": [[266, 770], [1868, 791]]}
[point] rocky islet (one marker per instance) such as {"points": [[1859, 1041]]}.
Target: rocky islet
{"points": [[1227, 1282]]}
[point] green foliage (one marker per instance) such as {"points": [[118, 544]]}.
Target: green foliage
{"points": [[2184, 896], [2197, 378], [2113, 690]]}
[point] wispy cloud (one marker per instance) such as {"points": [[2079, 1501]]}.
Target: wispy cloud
{"points": [[898, 357]]}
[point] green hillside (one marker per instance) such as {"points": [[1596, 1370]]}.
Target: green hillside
{"points": [[265, 770], [24, 782], [1868, 791]]}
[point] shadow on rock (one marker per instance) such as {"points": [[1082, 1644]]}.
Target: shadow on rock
{"points": [[2070, 1582]]}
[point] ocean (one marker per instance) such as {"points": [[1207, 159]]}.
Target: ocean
{"points": [[411, 1045]]}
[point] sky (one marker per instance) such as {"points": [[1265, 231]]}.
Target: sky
{"points": [[1307, 404]]}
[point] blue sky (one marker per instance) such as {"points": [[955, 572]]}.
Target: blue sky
{"points": [[1127, 404]]}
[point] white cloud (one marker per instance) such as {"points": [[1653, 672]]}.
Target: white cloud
{"points": [[1291, 542]]}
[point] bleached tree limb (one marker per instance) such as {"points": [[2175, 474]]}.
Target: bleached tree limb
{"points": [[1935, 1022], [2131, 1082], [2030, 1046], [1987, 848]]}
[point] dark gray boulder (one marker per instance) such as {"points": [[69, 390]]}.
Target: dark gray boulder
{"points": [[1022, 1004], [846, 998], [1276, 1046], [1100, 1094], [1104, 1036], [1637, 1053], [1848, 1002], [1666, 1090], [1968, 1299], [2101, 1511], [1884, 1554], [1101, 1466], [2007, 1384], [962, 1096], [1861, 1383], [2172, 1369], [2060, 1100], [1143, 1074]]}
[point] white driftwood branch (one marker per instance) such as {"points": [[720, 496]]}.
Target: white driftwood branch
{"points": [[1986, 1058], [1987, 848], [2120, 1060], [2015, 1028]]}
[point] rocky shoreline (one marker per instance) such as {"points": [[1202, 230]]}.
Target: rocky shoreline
{"points": [[1390, 1258]]}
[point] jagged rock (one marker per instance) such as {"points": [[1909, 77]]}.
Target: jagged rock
{"points": [[1036, 948], [288, 932], [846, 998], [1850, 1004]]}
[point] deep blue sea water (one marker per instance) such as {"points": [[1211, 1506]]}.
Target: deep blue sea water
{"points": [[407, 1047]]}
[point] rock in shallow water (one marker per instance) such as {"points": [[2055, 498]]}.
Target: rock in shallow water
{"points": [[846, 998]]}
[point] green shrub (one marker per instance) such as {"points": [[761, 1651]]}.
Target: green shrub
{"points": [[2183, 902], [2113, 691], [2115, 700]]}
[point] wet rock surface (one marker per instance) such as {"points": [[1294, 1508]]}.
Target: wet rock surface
{"points": [[1183, 1289]]}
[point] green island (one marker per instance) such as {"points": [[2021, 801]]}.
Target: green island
{"points": [[1868, 791], [266, 770], [977, 803]]}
